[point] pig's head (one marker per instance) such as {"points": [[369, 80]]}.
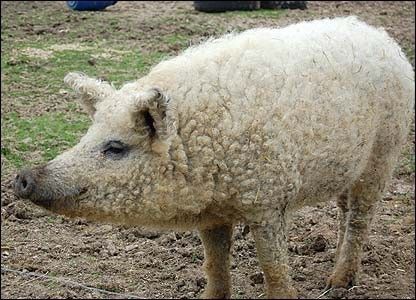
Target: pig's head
{"points": [[125, 169]]}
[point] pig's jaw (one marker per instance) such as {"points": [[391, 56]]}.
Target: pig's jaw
{"points": [[69, 204], [65, 203]]}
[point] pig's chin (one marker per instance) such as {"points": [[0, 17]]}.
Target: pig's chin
{"points": [[64, 202]]}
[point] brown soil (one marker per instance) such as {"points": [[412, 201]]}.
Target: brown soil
{"points": [[151, 264]]}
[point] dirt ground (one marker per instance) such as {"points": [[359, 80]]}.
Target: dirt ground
{"points": [[76, 256]]}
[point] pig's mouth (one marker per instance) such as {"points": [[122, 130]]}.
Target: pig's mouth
{"points": [[59, 202], [39, 188]]}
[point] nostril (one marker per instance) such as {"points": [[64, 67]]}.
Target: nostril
{"points": [[24, 183]]}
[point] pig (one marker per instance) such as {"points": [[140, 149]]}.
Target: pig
{"points": [[245, 128]]}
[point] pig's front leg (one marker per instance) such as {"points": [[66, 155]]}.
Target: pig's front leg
{"points": [[217, 245], [271, 247]]}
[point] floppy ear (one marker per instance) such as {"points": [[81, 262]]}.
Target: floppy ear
{"points": [[155, 110], [90, 90]]}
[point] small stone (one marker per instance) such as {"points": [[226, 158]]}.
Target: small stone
{"points": [[359, 290], [319, 243], [303, 249], [27, 140], [338, 293], [131, 247], [257, 278], [112, 250], [238, 235], [92, 61], [313, 221], [60, 219], [168, 240], [180, 267], [246, 230], [11, 218], [150, 234], [200, 282], [131, 237], [292, 247], [80, 221], [39, 30], [299, 277], [180, 284], [106, 228]]}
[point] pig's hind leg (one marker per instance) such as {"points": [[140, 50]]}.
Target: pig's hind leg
{"points": [[361, 201], [342, 203]]}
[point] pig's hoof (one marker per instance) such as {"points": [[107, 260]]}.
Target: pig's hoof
{"points": [[283, 295], [218, 294], [340, 280]]}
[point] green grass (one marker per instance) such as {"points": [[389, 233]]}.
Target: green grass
{"points": [[35, 72], [176, 39], [48, 134], [50, 219], [408, 163], [255, 14], [411, 162], [410, 53], [117, 70]]}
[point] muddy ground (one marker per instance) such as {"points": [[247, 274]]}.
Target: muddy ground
{"points": [[75, 255]]}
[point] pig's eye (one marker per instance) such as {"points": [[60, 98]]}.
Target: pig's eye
{"points": [[114, 149]]}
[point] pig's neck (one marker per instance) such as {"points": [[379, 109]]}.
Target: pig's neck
{"points": [[197, 182]]}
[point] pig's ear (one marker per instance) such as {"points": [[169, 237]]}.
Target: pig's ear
{"points": [[90, 90], [155, 110]]}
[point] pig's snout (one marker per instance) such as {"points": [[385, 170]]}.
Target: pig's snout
{"points": [[45, 188], [24, 184]]}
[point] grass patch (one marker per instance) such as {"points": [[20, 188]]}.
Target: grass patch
{"points": [[410, 54], [259, 13], [116, 66], [406, 164], [29, 81], [47, 135], [117, 69], [176, 39], [50, 219]]}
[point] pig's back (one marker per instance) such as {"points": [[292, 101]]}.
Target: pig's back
{"points": [[302, 102]]}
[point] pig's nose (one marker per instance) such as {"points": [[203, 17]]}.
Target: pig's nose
{"points": [[24, 183]]}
